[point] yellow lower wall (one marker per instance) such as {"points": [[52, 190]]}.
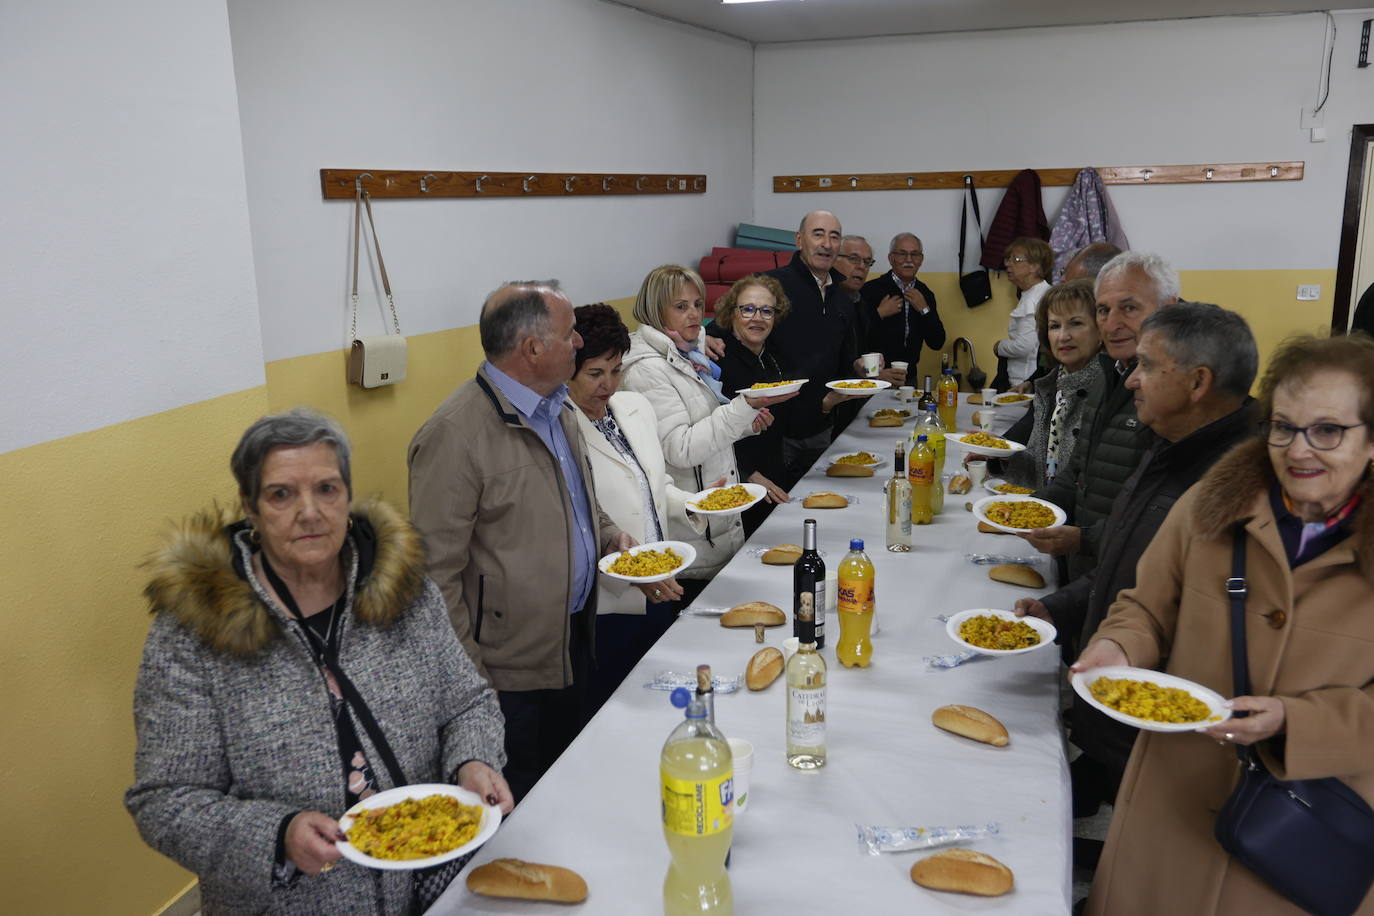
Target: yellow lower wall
{"points": [[83, 510]]}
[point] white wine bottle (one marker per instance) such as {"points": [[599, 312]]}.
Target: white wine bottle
{"points": [[899, 504], [806, 697]]}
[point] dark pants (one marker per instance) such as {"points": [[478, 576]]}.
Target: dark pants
{"points": [[540, 724], [621, 641]]}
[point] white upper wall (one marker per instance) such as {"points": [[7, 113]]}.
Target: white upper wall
{"points": [[1159, 93], [543, 85], [126, 268]]}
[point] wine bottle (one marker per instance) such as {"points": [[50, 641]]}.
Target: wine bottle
{"points": [[806, 698], [808, 586], [899, 503]]}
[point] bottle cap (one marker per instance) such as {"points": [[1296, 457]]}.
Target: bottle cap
{"points": [[680, 697], [856, 543], [921, 438]]}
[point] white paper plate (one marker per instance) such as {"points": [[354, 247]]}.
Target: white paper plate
{"points": [[834, 459], [878, 385], [1083, 681], [1011, 449], [684, 550], [998, 402], [491, 819], [756, 493], [992, 483], [1043, 627], [980, 511], [773, 391]]}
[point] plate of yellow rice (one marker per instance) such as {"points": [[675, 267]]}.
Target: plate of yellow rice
{"points": [[994, 632], [652, 562], [728, 500], [1150, 700], [416, 826]]}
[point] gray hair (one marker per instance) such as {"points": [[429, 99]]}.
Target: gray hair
{"points": [[1092, 258], [1162, 275], [1200, 334], [892, 245], [854, 238], [298, 426], [512, 312]]}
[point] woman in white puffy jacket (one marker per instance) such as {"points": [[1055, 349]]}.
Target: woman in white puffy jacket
{"points": [[697, 425]]}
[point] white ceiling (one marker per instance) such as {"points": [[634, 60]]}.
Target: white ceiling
{"points": [[809, 20]]}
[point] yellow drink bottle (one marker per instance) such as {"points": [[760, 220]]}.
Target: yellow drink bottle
{"points": [[696, 774], [921, 472], [856, 606], [948, 399], [934, 430]]}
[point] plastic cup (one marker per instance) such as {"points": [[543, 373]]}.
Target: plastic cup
{"points": [[872, 363], [984, 416], [989, 397], [977, 471], [906, 393], [743, 753], [900, 364]]}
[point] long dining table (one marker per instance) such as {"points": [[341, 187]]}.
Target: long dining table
{"points": [[795, 846]]}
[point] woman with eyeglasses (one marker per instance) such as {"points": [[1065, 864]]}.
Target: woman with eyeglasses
{"points": [[1028, 262], [1300, 494]]}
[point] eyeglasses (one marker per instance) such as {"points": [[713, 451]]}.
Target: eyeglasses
{"points": [[1321, 436], [1014, 259], [855, 259], [907, 255], [763, 311]]}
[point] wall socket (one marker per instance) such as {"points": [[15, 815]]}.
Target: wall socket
{"points": [[1309, 292]]}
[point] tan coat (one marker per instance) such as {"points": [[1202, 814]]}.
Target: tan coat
{"points": [[1311, 643], [488, 498]]}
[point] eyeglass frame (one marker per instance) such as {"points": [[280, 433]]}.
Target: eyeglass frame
{"points": [[1015, 259], [1267, 428], [854, 258], [905, 255], [766, 312]]}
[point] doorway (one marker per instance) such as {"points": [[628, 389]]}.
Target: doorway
{"points": [[1355, 266]]}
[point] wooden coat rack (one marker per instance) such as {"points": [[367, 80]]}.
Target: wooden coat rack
{"points": [[1000, 178], [338, 184]]}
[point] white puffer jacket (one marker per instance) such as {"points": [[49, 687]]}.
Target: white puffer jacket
{"points": [[698, 434]]}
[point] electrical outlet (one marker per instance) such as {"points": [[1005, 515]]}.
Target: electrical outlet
{"points": [[1309, 292], [1307, 118]]}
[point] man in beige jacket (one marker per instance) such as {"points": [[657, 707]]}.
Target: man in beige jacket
{"points": [[502, 493]]}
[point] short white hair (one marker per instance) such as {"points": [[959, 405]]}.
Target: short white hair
{"points": [[1160, 272]]}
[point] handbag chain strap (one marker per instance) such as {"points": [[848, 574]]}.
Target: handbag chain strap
{"points": [[963, 219], [362, 198], [1236, 590]]}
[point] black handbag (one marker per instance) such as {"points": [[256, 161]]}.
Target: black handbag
{"points": [[1312, 840], [976, 286]]}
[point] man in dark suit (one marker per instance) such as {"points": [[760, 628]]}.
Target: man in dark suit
{"points": [[901, 309]]}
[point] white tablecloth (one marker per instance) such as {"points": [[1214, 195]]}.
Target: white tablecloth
{"points": [[597, 810]]}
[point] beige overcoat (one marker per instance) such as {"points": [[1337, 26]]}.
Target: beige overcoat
{"points": [[1311, 643]]}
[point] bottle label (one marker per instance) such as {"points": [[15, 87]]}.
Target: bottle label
{"points": [[820, 611], [950, 398], [698, 808], [806, 716], [923, 473], [856, 595]]}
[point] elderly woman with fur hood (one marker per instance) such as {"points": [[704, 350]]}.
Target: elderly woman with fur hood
{"points": [[299, 661], [1301, 495]]}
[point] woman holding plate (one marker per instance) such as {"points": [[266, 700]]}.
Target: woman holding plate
{"points": [[1301, 494], [299, 661], [698, 424]]}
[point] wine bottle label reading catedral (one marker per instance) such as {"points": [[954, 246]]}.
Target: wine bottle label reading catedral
{"points": [[806, 717], [698, 808]]}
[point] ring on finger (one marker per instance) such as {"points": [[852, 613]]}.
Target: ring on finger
{"points": [[1230, 736], [326, 867]]}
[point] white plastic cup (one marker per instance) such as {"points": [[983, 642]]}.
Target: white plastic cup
{"points": [[872, 363], [984, 416], [977, 471], [989, 397], [743, 753], [900, 364], [906, 393]]}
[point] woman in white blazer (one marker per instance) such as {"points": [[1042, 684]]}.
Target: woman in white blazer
{"points": [[633, 488], [697, 425]]}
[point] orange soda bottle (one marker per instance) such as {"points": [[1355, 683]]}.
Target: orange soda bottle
{"points": [[921, 473], [948, 399], [855, 606]]}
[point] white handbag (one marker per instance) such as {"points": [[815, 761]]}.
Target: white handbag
{"points": [[380, 359]]}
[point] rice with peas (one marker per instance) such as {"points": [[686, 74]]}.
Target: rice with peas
{"points": [[646, 562], [1020, 514], [1148, 700], [416, 828], [988, 631], [724, 498]]}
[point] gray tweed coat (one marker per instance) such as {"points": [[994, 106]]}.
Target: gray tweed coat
{"points": [[234, 724]]}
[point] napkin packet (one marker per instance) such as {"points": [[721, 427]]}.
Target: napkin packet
{"points": [[878, 840], [671, 680]]}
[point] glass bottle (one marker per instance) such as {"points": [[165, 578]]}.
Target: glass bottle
{"points": [[899, 503], [927, 396], [806, 699], [808, 585]]}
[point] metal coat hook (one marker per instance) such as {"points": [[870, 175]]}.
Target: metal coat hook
{"points": [[910, 182], [480, 179], [568, 183], [639, 183], [1273, 171], [525, 183], [853, 182], [1146, 173], [968, 181], [358, 182], [424, 182], [1209, 173], [606, 183], [668, 184], [699, 183]]}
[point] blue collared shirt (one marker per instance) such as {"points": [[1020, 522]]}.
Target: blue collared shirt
{"points": [[542, 414]]}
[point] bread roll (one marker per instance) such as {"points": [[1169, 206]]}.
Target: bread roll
{"points": [[824, 500], [763, 668], [782, 555], [975, 398], [848, 470], [971, 722], [527, 881], [884, 421], [1016, 574], [963, 871], [752, 613], [960, 484], [988, 529]]}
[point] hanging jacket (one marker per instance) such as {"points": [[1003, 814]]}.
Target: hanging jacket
{"points": [[1086, 217], [1021, 215]]}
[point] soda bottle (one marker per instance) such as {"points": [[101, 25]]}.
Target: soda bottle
{"points": [[935, 435], [856, 606], [696, 774], [948, 399], [921, 471]]}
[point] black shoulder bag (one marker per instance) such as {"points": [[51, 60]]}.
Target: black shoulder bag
{"points": [[977, 286], [1312, 840]]}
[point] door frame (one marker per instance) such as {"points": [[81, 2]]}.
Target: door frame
{"points": [[1361, 135]]}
